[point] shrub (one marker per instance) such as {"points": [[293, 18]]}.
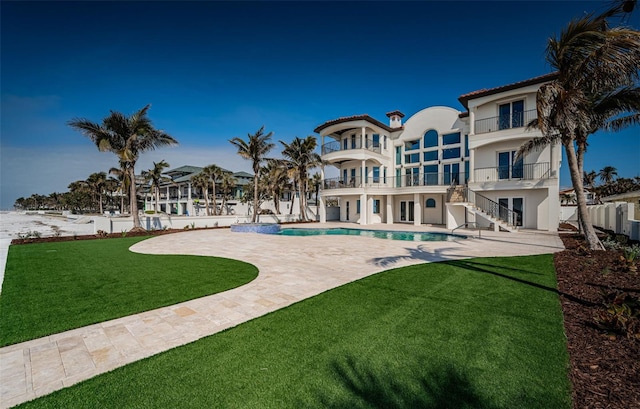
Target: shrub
{"points": [[621, 314]]}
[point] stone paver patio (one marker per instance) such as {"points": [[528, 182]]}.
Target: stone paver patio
{"points": [[291, 269]]}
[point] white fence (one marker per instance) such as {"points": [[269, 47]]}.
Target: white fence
{"points": [[160, 222], [617, 217]]}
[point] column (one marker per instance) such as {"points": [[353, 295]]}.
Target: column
{"points": [[322, 210], [189, 201], [552, 160], [167, 207], [363, 138], [417, 209], [364, 208], [472, 162], [364, 175], [179, 205], [472, 121], [389, 209]]}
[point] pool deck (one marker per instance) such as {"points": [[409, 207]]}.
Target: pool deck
{"points": [[291, 269]]}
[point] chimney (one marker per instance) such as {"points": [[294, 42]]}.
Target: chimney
{"points": [[395, 119]]}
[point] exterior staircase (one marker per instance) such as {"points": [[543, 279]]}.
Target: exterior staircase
{"points": [[501, 216]]}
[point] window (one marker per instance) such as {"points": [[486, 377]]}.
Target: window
{"points": [[375, 138], [430, 155], [511, 115], [344, 176], [358, 206], [412, 176], [376, 206], [411, 145], [398, 178], [466, 172], [451, 139], [353, 141], [451, 153], [345, 144], [430, 203], [376, 174], [398, 156], [508, 168], [384, 142], [430, 139], [412, 158], [466, 146], [431, 175]]}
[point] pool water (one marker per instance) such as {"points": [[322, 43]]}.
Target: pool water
{"points": [[380, 234]]}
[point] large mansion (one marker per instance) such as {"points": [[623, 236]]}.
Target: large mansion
{"points": [[445, 166]]}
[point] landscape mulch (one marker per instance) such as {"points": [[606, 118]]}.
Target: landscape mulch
{"points": [[604, 366]]}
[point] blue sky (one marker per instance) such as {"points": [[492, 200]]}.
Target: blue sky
{"points": [[215, 70]]}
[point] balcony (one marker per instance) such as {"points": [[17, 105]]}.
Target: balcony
{"points": [[498, 123], [347, 145], [421, 179], [529, 171]]}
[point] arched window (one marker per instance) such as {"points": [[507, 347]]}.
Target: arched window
{"points": [[431, 203], [430, 139]]}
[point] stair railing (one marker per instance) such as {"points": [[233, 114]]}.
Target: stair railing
{"points": [[494, 209]]}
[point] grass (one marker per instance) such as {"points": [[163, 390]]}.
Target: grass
{"points": [[480, 333], [53, 287]]}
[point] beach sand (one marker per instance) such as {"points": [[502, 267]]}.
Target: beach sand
{"points": [[13, 225]]}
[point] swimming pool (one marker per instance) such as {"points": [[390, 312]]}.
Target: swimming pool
{"points": [[380, 234]]}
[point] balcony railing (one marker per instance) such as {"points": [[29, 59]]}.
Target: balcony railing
{"points": [[529, 171], [335, 146], [421, 179], [498, 123]]}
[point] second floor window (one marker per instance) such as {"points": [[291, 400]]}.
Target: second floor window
{"points": [[511, 115]]}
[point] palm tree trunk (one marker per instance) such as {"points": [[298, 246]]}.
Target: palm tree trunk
{"points": [[121, 201], [157, 191], [276, 202], [255, 195], [576, 179], [206, 200], [100, 201], [215, 204], [301, 190], [293, 196], [133, 202]]}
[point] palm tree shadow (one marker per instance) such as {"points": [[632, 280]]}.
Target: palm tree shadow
{"points": [[439, 387], [421, 252], [480, 268]]}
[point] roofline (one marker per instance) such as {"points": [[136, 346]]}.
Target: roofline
{"points": [[345, 119], [464, 99]]}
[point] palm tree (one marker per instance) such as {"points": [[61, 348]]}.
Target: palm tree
{"points": [[567, 198], [255, 148], [227, 183], [127, 137], [156, 178], [589, 179], [213, 172], [596, 89], [315, 180], [122, 176], [201, 181], [97, 183], [607, 174], [277, 178], [302, 156]]}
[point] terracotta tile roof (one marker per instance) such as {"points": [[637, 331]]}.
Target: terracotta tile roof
{"points": [[464, 99], [363, 117], [396, 112]]}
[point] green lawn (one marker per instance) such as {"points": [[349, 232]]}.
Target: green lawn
{"points": [[53, 287], [480, 333]]}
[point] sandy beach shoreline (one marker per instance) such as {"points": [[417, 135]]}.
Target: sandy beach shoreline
{"points": [[14, 225]]}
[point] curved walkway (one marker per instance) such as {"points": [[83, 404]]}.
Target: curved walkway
{"points": [[291, 269]]}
